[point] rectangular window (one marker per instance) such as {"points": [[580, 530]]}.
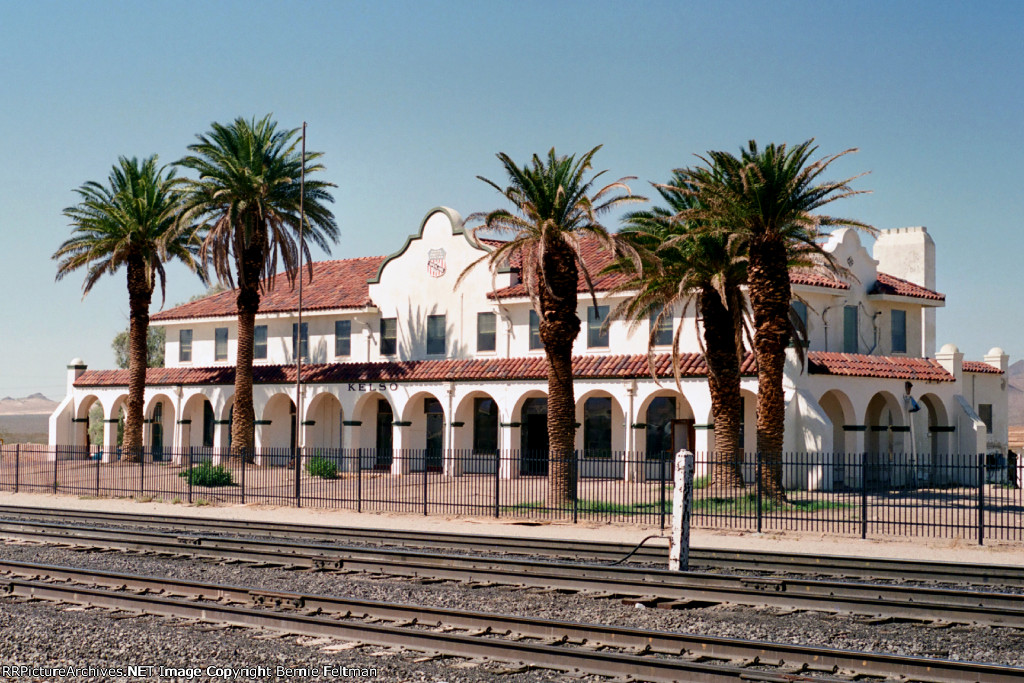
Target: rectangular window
{"points": [[259, 342], [485, 331], [220, 346], [985, 413], [663, 333], [184, 346], [435, 334], [342, 337], [597, 334], [303, 346], [850, 329], [388, 336], [899, 331], [535, 342], [800, 309]]}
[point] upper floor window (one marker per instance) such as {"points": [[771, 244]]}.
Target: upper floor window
{"points": [[388, 336], [597, 333], [850, 329], [220, 345], [435, 334], [535, 342], [486, 336], [184, 346], [302, 345], [259, 342], [662, 328], [899, 331], [342, 337], [800, 309]]}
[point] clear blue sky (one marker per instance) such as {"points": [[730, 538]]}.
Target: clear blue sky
{"points": [[410, 101]]}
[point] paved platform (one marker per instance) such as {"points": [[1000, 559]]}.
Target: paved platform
{"points": [[950, 550]]}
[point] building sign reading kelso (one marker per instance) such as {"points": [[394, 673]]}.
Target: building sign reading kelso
{"points": [[372, 386]]}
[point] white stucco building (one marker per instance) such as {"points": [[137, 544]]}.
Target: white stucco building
{"points": [[399, 359]]}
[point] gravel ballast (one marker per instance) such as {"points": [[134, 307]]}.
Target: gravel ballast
{"points": [[159, 641]]}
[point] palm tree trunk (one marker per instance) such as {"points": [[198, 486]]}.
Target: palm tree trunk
{"points": [[243, 420], [139, 295], [243, 425], [723, 361], [768, 278], [559, 327]]}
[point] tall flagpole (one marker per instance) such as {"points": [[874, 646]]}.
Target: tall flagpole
{"points": [[298, 330]]}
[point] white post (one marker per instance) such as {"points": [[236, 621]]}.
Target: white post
{"points": [[682, 499]]}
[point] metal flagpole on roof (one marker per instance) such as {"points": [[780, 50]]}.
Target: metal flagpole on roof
{"points": [[298, 329]]}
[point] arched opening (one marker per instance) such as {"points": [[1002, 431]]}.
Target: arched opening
{"points": [[883, 441], [90, 410], [932, 430], [277, 427], [385, 437], [597, 427], [322, 427], [160, 416], [839, 410], [533, 436]]}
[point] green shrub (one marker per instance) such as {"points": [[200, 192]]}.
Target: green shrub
{"points": [[208, 475], [321, 467]]}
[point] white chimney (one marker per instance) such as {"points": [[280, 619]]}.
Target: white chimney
{"points": [[909, 254]]}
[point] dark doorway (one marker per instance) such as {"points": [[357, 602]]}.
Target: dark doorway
{"points": [[384, 437], [534, 437], [208, 424], [485, 426], [434, 457], [157, 433]]}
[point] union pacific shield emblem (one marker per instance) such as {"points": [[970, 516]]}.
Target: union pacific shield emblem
{"points": [[436, 265]]}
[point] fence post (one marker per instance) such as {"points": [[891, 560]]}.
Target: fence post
{"points": [[424, 482], [188, 476], [661, 494], [863, 495], [298, 476], [981, 498], [56, 459], [244, 458], [142, 471], [17, 465], [497, 482], [359, 480], [760, 467], [98, 461]]}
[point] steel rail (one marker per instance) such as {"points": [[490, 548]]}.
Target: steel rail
{"points": [[681, 589], [758, 561], [431, 641], [795, 658]]}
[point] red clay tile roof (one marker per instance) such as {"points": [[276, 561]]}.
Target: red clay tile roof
{"points": [[882, 367], [801, 276], [530, 368], [503, 369], [336, 284], [890, 284], [978, 366]]}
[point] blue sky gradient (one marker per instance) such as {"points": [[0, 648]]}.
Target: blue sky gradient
{"points": [[410, 101]]}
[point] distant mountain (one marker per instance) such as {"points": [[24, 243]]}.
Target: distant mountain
{"points": [[36, 404], [1015, 380]]}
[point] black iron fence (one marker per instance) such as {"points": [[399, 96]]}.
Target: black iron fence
{"points": [[975, 497]]}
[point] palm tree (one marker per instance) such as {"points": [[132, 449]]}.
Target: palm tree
{"points": [[554, 210], [129, 222], [682, 263], [767, 200], [246, 203]]}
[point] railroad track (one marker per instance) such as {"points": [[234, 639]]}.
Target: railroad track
{"points": [[973, 574], [587, 648], [651, 587]]}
